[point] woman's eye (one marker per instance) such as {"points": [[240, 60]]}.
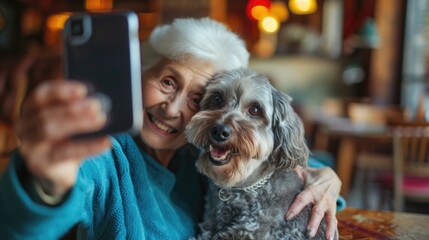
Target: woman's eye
{"points": [[194, 106], [255, 110], [197, 100], [194, 103], [168, 83], [217, 100]]}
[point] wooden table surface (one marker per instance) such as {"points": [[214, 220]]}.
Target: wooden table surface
{"points": [[369, 224]]}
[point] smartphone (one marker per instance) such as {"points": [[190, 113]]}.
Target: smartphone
{"points": [[103, 51]]}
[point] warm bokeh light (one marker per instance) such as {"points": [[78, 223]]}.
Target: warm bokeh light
{"points": [[303, 6], [56, 22], [98, 4], [255, 8], [31, 22], [279, 10], [259, 12], [269, 24]]}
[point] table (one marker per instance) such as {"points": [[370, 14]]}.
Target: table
{"points": [[350, 135], [369, 224]]}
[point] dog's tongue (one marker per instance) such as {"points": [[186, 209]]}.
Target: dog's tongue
{"points": [[218, 152]]}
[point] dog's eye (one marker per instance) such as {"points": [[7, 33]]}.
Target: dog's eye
{"points": [[217, 100], [255, 110]]}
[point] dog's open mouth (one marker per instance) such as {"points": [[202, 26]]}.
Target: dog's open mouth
{"points": [[219, 155]]}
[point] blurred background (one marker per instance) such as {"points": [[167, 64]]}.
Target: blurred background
{"points": [[355, 69]]}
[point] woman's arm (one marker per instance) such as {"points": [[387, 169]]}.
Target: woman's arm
{"points": [[24, 218], [52, 113], [322, 188]]}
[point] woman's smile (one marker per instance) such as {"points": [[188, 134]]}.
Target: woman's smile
{"points": [[160, 126]]}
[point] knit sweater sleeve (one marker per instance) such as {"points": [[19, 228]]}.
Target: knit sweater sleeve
{"points": [[23, 218]]}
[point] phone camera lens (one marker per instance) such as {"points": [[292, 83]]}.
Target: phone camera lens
{"points": [[77, 27]]}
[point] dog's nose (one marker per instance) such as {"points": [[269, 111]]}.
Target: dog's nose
{"points": [[221, 132]]}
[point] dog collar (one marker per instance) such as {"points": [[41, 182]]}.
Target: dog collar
{"points": [[225, 193]]}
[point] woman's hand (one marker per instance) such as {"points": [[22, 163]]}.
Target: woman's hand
{"points": [[52, 113], [322, 188]]}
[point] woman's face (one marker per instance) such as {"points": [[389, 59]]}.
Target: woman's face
{"points": [[171, 93]]}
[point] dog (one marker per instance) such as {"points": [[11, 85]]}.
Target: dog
{"points": [[252, 140]]}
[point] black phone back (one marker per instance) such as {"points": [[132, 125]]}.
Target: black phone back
{"points": [[103, 51]]}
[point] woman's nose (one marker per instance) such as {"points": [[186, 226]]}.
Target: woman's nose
{"points": [[173, 107]]}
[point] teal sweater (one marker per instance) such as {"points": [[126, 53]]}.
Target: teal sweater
{"points": [[120, 194]]}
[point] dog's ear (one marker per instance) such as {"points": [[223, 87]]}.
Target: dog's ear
{"points": [[290, 148]]}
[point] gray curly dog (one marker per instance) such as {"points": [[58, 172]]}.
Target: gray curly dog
{"points": [[253, 140]]}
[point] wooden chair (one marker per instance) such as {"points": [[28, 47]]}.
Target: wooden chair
{"points": [[411, 164], [374, 155]]}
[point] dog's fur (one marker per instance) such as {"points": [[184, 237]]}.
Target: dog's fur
{"points": [[249, 131]]}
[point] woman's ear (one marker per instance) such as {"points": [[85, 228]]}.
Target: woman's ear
{"points": [[290, 148]]}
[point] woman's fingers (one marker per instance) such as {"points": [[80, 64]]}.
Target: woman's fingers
{"points": [[321, 189], [80, 149], [317, 214], [51, 92], [321, 208], [331, 226], [39, 157], [301, 200], [63, 120]]}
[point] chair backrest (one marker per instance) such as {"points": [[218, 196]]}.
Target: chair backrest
{"points": [[411, 149], [410, 158]]}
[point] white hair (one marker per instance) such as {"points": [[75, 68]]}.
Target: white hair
{"points": [[201, 39]]}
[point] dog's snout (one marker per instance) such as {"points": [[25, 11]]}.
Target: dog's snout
{"points": [[221, 132]]}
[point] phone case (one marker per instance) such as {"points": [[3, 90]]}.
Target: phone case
{"points": [[103, 51]]}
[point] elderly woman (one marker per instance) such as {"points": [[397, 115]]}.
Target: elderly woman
{"points": [[142, 187]]}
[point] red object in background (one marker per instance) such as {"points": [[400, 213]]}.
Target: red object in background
{"points": [[356, 12], [253, 3]]}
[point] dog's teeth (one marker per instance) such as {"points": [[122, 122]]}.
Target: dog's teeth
{"points": [[218, 154]]}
